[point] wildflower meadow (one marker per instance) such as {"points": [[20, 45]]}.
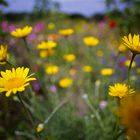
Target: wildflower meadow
{"points": [[65, 77]]}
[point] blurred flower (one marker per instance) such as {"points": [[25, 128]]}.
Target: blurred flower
{"points": [[52, 69], [129, 113], [36, 86], [122, 48], [138, 70], [107, 71], [133, 43], [65, 82], [32, 37], [120, 90], [127, 63], [90, 41], [69, 57], [87, 68], [38, 27], [73, 71], [112, 24], [3, 54], [66, 32], [40, 128], [85, 96], [46, 53], [97, 82], [53, 89], [15, 80], [4, 26], [53, 37], [99, 53], [51, 26], [47, 45], [103, 104], [22, 32]]}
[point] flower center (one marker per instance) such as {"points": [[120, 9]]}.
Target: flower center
{"points": [[15, 82]]}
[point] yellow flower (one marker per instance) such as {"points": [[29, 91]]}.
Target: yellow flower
{"points": [[52, 69], [120, 90], [22, 32], [87, 68], [99, 53], [122, 48], [46, 53], [90, 41], [40, 128], [47, 45], [65, 82], [3, 54], [51, 26], [133, 43], [107, 71], [15, 80], [129, 114], [69, 57], [66, 32], [127, 63]]}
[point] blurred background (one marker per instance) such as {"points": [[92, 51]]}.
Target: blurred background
{"points": [[125, 12]]}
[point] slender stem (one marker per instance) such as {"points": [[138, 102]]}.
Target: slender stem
{"points": [[129, 69], [20, 133], [26, 45], [54, 111], [95, 113], [26, 110], [29, 114]]}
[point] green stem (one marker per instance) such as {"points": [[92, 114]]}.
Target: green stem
{"points": [[26, 45], [54, 111], [98, 118], [28, 112], [129, 69]]}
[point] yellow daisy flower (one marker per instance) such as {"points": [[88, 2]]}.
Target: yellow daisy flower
{"points": [[65, 82], [52, 69], [22, 32], [107, 71], [3, 54], [87, 68], [69, 57], [90, 41], [120, 90], [132, 42], [15, 80], [66, 32], [47, 45]]}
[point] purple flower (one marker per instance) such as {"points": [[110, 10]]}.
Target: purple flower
{"points": [[36, 85], [38, 27], [31, 37], [53, 88], [102, 104]]}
